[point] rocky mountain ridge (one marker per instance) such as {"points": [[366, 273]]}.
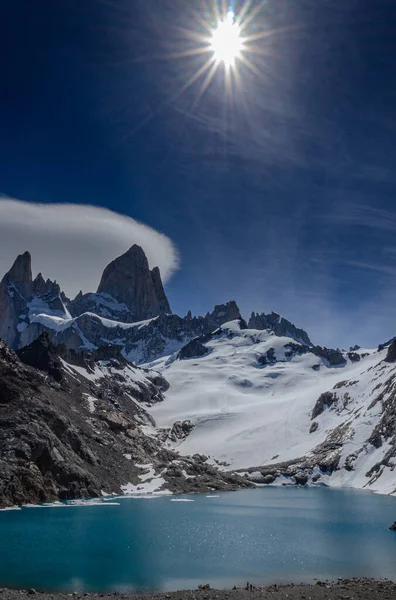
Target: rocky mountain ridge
{"points": [[129, 310]]}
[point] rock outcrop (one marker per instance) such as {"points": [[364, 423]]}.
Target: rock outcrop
{"points": [[129, 280], [279, 325], [102, 305], [325, 400], [391, 354], [194, 349], [334, 358]]}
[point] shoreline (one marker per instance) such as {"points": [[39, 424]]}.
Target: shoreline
{"points": [[343, 589], [99, 500]]}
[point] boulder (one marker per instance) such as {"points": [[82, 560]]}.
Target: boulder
{"points": [[268, 479], [180, 430], [301, 478]]}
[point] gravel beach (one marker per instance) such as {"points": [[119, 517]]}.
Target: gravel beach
{"points": [[348, 589]]}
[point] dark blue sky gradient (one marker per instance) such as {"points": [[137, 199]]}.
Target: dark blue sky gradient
{"points": [[280, 194]]}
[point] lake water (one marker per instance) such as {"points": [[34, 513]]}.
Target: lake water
{"points": [[266, 535]]}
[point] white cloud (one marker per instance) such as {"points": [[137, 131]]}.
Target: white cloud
{"points": [[73, 243]]}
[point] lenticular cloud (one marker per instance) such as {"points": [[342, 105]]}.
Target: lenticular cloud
{"points": [[72, 243]]}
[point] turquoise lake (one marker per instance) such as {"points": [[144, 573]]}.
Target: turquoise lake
{"points": [[266, 535]]}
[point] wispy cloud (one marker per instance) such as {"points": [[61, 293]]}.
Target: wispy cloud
{"points": [[73, 243], [363, 215]]}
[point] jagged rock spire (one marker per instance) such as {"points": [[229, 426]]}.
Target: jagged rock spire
{"points": [[20, 273], [129, 280], [17, 291]]}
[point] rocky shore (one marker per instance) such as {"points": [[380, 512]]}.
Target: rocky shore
{"points": [[343, 589]]}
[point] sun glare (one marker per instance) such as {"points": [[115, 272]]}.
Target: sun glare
{"points": [[229, 44], [226, 42]]}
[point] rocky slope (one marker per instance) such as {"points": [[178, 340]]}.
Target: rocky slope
{"points": [[76, 425]]}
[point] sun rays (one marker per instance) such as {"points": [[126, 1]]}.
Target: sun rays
{"points": [[221, 40]]}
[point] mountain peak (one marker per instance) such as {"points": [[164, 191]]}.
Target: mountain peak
{"points": [[20, 273], [129, 280]]}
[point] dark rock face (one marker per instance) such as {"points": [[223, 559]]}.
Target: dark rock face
{"points": [[223, 313], [102, 305], [325, 400], [20, 274], [41, 355], [391, 354], [194, 349], [388, 343], [268, 358], [280, 326], [163, 303], [393, 527], [353, 356], [15, 287], [129, 280], [295, 350], [333, 357]]}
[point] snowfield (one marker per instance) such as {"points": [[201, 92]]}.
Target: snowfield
{"points": [[249, 415]]}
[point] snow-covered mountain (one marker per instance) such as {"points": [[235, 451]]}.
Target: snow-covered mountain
{"points": [[255, 396], [280, 411], [129, 310]]}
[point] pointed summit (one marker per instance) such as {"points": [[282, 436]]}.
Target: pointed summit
{"points": [[20, 273], [129, 280]]}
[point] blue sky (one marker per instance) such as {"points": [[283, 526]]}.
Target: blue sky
{"points": [[279, 194]]}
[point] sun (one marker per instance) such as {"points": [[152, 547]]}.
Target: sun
{"points": [[226, 41]]}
